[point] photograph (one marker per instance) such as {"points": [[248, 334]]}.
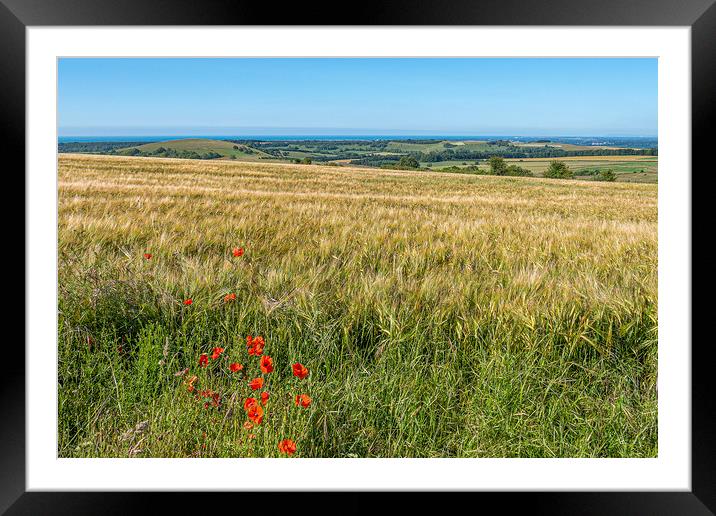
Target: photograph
{"points": [[357, 257]]}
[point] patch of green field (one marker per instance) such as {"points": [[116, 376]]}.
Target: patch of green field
{"points": [[437, 165], [202, 145], [436, 146], [635, 169]]}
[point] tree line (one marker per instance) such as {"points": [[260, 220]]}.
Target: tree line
{"points": [[162, 152], [516, 152]]}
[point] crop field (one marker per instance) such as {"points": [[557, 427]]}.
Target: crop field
{"points": [[400, 313], [641, 169], [627, 168]]}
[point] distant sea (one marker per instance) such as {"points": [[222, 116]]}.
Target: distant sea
{"points": [[612, 141]]}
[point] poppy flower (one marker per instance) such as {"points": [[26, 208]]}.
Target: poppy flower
{"points": [[264, 397], [256, 383], [300, 370], [249, 402], [238, 251], [229, 297], [235, 367], [203, 360], [255, 413], [148, 256], [266, 364], [187, 302], [304, 400], [217, 352], [256, 345], [247, 425], [287, 446]]}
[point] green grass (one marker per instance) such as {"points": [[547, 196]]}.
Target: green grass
{"points": [[440, 315], [203, 145], [641, 169]]}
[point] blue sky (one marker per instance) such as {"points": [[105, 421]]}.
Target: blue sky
{"points": [[397, 96]]}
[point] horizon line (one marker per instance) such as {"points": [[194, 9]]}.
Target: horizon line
{"points": [[357, 133]]}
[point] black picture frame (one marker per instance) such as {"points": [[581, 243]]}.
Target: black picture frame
{"points": [[700, 15]]}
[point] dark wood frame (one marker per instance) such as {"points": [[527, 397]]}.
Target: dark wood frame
{"points": [[700, 15]]}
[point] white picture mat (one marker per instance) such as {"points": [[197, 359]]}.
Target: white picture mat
{"points": [[671, 470]]}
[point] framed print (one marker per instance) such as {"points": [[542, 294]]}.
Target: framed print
{"points": [[438, 249]]}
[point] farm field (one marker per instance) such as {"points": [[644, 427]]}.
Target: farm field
{"points": [[430, 154], [642, 169], [437, 314]]}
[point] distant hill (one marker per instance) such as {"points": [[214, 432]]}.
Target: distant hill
{"points": [[203, 147]]}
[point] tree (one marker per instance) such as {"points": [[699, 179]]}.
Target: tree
{"points": [[306, 161], [236, 147], [514, 170], [558, 170], [607, 175], [408, 162], [498, 166]]}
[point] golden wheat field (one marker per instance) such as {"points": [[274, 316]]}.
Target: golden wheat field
{"points": [[439, 314]]}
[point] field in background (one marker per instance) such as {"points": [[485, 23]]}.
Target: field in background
{"points": [[202, 145], [639, 169], [440, 315], [431, 154]]}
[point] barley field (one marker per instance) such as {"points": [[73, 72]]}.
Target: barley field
{"points": [[434, 315]]}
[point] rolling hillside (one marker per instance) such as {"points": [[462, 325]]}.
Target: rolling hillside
{"points": [[202, 145]]}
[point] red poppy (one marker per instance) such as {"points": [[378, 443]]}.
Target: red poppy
{"points": [[300, 370], [304, 400], [217, 352], [256, 383], [256, 345], [287, 446], [266, 364], [264, 397], [148, 256], [203, 360], [238, 251], [249, 402], [187, 302], [255, 413], [229, 297], [235, 367]]}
